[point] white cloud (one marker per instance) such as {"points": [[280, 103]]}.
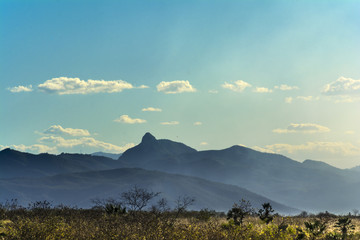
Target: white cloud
{"points": [[340, 148], [129, 120], [58, 130], [203, 144], [197, 123], [260, 149], [305, 98], [342, 86], [237, 86], [288, 100], [262, 90], [143, 86], [213, 91], [346, 99], [178, 86], [85, 142], [302, 127], [151, 109], [284, 87], [170, 123], [2, 147], [65, 85], [35, 148], [349, 132], [20, 89]]}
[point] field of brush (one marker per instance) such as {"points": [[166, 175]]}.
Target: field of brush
{"points": [[71, 223]]}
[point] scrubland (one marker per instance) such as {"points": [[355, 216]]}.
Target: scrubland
{"points": [[62, 222]]}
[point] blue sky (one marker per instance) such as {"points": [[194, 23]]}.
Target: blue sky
{"points": [[276, 76]]}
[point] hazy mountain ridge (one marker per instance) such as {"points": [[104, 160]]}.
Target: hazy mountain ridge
{"points": [[114, 156], [19, 164], [310, 185], [82, 187]]}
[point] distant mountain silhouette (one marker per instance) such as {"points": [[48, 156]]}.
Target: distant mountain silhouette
{"points": [[151, 152], [79, 188], [19, 164], [356, 168], [311, 185], [108, 155]]}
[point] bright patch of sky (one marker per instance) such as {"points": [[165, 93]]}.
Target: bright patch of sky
{"points": [[277, 76]]}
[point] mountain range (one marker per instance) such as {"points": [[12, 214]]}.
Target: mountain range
{"points": [[216, 178], [311, 185]]}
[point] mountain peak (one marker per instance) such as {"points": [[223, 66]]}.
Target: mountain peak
{"points": [[147, 138], [6, 150], [9, 151]]}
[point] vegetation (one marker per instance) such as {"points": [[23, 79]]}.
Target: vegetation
{"points": [[265, 213], [139, 215]]}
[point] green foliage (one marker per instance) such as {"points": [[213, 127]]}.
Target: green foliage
{"points": [[265, 214]]}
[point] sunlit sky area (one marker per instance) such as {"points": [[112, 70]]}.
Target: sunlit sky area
{"points": [[275, 76]]}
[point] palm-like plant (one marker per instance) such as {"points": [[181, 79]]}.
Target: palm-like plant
{"points": [[344, 225]]}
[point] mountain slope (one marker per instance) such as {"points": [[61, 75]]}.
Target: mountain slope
{"points": [[108, 155], [79, 188], [19, 164]]}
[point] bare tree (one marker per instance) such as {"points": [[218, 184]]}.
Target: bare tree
{"points": [[137, 198], [182, 203]]}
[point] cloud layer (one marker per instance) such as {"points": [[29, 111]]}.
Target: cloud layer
{"points": [[65, 85], [151, 109], [288, 99], [339, 148], [342, 86], [303, 128], [129, 120], [262, 90], [178, 86], [305, 98], [237, 86], [59, 130], [170, 123], [284, 87], [20, 89], [37, 148], [60, 142]]}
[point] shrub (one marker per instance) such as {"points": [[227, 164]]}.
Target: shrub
{"points": [[315, 228], [239, 211], [265, 213], [344, 225]]}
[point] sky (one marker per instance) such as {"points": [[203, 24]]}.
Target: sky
{"points": [[276, 76]]}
